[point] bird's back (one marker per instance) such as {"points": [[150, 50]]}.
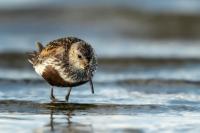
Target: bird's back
{"points": [[54, 48]]}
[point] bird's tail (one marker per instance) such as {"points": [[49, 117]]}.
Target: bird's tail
{"points": [[33, 56]]}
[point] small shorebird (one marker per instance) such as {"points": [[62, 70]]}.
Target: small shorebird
{"points": [[65, 62]]}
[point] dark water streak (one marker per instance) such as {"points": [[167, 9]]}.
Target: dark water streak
{"points": [[89, 109]]}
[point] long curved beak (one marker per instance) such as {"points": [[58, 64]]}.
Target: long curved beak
{"points": [[91, 85]]}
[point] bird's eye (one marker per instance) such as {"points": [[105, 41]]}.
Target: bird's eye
{"points": [[79, 56]]}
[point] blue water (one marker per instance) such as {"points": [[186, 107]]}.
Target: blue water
{"points": [[143, 83], [171, 6]]}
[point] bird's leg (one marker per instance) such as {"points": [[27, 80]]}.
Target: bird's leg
{"points": [[52, 97], [67, 96]]}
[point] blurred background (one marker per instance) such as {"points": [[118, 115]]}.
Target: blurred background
{"points": [[129, 26], [149, 64]]}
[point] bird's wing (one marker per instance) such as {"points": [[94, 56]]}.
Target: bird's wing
{"points": [[59, 46]]}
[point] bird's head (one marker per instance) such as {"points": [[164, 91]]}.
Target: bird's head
{"points": [[82, 56]]}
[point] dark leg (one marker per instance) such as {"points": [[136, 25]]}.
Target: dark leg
{"points": [[67, 96], [53, 99]]}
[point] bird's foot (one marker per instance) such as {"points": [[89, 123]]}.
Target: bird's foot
{"points": [[67, 99], [53, 99]]}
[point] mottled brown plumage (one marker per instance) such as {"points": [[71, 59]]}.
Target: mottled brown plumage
{"points": [[65, 62], [53, 78]]}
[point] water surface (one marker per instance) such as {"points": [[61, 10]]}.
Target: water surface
{"points": [[148, 79]]}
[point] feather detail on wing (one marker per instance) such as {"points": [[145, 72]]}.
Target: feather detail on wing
{"points": [[58, 46]]}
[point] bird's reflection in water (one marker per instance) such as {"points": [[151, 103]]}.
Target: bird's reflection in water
{"points": [[51, 121], [66, 125], [68, 117]]}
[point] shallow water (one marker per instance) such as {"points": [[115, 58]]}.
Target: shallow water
{"points": [[142, 85], [133, 96], [142, 92]]}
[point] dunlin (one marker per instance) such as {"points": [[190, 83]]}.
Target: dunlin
{"points": [[65, 62]]}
